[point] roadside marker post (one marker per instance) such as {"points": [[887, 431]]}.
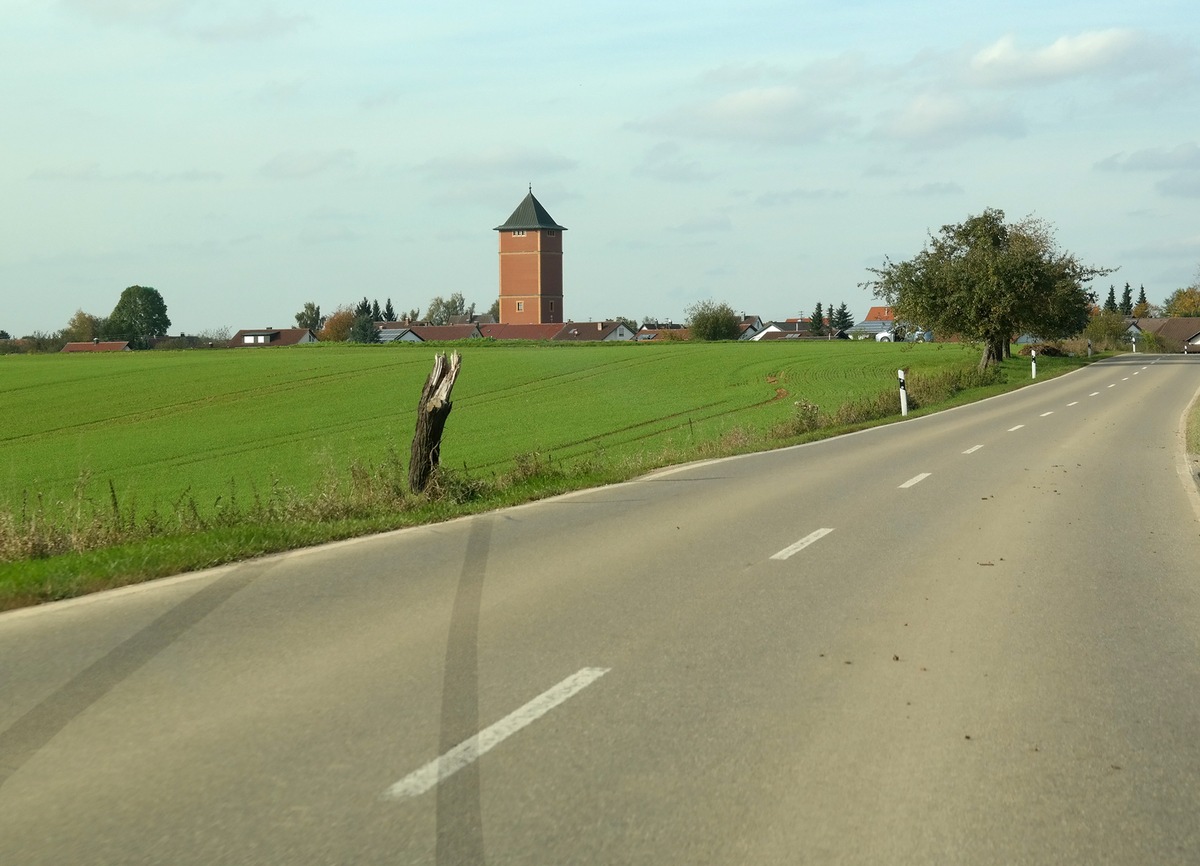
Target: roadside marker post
{"points": [[1033, 356], [903, 395]]}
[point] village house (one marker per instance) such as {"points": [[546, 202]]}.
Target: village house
{"points": [[271, 337]]}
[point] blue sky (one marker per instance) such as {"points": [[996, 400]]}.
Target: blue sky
{"points": [[244, 157]]}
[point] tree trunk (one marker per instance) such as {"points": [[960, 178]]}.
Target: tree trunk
{"points": [[432, 412]]}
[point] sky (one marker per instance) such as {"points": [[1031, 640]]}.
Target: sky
{"points": [[244, 157]]}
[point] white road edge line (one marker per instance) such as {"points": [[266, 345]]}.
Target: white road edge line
{"points": [[469, 751], [972, 449], [802, 543], [1094, 394], [1014, 429], [1074, 403], [1044, 414], [1113, 385], [914, 481]]}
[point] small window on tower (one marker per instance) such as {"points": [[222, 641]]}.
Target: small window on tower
{"points": [[518, 233], [550, 233], [520, 306]]}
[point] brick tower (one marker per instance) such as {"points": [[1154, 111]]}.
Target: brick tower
{"points": [[531, 275]]}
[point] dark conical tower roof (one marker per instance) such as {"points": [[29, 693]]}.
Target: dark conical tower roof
{"points": [[530, 215]]}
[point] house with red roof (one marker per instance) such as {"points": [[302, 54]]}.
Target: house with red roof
{"points": [[98, 346]]}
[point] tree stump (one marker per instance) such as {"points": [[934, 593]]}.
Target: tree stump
{"points": [[432, 412]]}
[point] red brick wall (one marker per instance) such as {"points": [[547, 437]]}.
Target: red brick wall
{"points": [[531, 273]]}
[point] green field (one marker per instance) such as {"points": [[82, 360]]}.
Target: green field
{"points": [[158, 424], [123, 467]]}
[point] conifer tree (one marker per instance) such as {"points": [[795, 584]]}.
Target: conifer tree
{"points": [[1127, 301]]}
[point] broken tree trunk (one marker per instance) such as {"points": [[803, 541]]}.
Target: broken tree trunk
{"points": [[432, 412]]}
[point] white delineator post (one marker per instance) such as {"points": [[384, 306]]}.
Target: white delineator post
{"points": [[1033, 357], [903, 395]]}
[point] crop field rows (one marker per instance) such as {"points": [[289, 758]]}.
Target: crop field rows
{"points": [[159, 424]]}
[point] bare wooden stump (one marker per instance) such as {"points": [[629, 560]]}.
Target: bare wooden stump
{"points": [[432, 412]]}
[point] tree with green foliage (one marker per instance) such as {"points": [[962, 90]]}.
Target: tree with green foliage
{"points": [[310, 317], [987, 281], [363, 330], [442, 311], [817, 325], [389, 313], [1107, 330], [494, 310], [1183, 302], [83, 327], [1126, 305], [1142, 307], [139, 316], [1110, 303], [363, 308], [710, 320], [4, 335], [376, 313], [842, 319]]}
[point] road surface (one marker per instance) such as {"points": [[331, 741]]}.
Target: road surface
{"points": [[968, 638]]}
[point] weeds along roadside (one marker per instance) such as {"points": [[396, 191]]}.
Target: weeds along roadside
{"points": [[55, 550]]}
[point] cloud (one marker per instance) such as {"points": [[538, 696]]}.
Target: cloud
{"points": [[341, 235], [665, 162], [208, 21], [140, 12], [701, 224], [91, 172], [1184, 157], [1176, 247], [935, 189], [1103, 52], [783, 197], [528, 164], [289, 166], [265, 24], [944, 119], [780, 114], [1185, 184]]}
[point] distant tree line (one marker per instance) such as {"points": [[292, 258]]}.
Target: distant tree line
{"points": [[357, 323], [139, 318]]}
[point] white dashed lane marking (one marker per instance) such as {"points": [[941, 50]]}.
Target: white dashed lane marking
{"points": [[469, 751], [801, 544]]}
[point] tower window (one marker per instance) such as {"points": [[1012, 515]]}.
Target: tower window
{"points": [[550, 233], [518, 233], [520, 306]]}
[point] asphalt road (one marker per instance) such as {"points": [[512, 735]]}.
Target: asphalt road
{"points": [[969, 638]]}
